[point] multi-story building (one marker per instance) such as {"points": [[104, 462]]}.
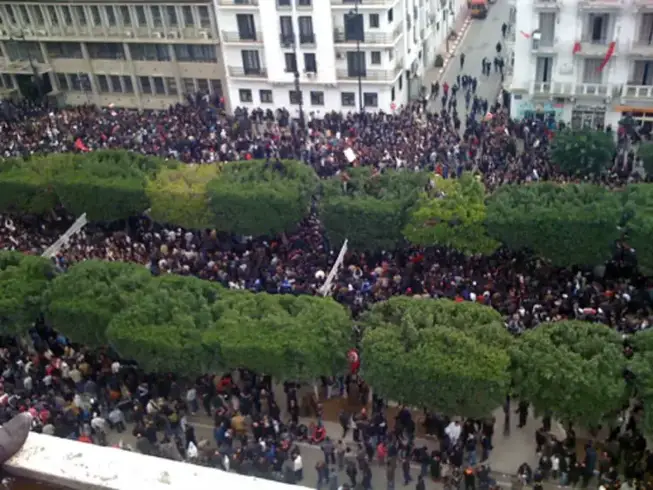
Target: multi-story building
{"points": [[266, 42], [128, 53], [586, 62]]}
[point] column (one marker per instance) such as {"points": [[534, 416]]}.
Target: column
{"points": [[135, 84]]}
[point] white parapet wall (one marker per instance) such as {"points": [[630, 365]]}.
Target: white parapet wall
{"points": [[77, 465]]}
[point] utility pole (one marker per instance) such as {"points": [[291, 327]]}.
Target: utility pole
{"points": [[360, 65], [302, 121]]}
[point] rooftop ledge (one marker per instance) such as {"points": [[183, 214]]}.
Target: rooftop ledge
{"points": [[77, 465]]}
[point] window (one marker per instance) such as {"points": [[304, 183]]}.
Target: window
{"points": [[348, 99], [8, 81], [283, 3], [23, 51], [295, 97], [128, 84], [376, 57], [642, 73], [317, 97], [245, 95], [67, 15], [125, 16], [216, 87], [149, 52], [356, 64], [75, 82], [597, 28], [291, 62], [391, 15], [102, 83], [159, 88], [287, 31], [64, 50], [246, 26], [24, 16], [265, 96], [37, 13], [392, 94], [62, 81], [144, 82], [304, 3], [189, 85], [401, 82], [52, 15], [111, 16], [374, 21], [251, 61], [202, 53], [370, 99], [203, 85], [171, 15], [95, 16], [547, 28], [141, 19], [106, 51], [157, 19], [543, 68], [306, 35], [80, 13], [310, 63], [171, 82], [11, 14], [187, 12], [205, 18], [115, 83], [591, 70]]}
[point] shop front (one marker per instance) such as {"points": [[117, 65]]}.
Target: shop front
{"points": [[544, 111], [588, 116], [643, 118]]}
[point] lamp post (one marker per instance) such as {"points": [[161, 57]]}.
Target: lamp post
{"points": [[297, 86], [360, 67]]}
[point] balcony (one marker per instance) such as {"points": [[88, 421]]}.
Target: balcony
{"points": [[304, 4], [349, 4], [559, 89], [238, 3], [642, 48], [240, 72], [637, 92], [307, 39], [287, 40], [370, 37], [594, 48], [555, 89], [646, 5], [370, 75], [242, 38], [545, 5], [284, 4], [594, 90], [600, 5]]}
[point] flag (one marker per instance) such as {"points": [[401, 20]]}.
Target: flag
{"points": [[79, 144], [608, 55], [525, 34], [577, 48]]}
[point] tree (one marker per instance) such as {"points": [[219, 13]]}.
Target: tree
{"points": [[262, 198], [441, 355], [639, 224], [566, 224], [645, 152], [452, 214], [369, 210], [107, 187], [81, 303], [284, 336], [571, 369], [179, 195], [582, 152], [169, 328], [23, 281], [641, 367]]}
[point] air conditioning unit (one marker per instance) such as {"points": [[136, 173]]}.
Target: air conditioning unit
{"points": [[537, 35], [174, 35], [129, 34], [158, 35], [205, 35]]}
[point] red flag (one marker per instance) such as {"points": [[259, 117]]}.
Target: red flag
{"points": [[79, 144], [608, 55], [525, 34], [577, 48], [354, 360]]}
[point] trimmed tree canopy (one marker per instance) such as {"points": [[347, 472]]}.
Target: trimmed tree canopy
{"points": [[369, 210], [287, 337], [452, 214], [168, 328], [179, 195], [572, 369], [23, 280], [582, 152], [262, 198], [567, 224], [433, 354], [641, 366], [639, 210], [81, 303]]}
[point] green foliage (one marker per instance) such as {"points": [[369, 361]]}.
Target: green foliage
{"points": [[567, 224], [262, 198], [453, 215], [23, 280], [370, 210], [582, 152], [639, 227], [107, 186], [571, 369], [645, 152], [179, 195], [168, 328], [284, 336], [459, 349], [81, 303], [641, 365]]}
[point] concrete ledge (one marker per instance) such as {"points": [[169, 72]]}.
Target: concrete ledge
{"points": [[77, 465]]}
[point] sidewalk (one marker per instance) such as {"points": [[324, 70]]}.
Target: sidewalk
{"points": [[447, 50]]}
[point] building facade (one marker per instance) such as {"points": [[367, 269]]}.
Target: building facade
{"points": [[585, 62], [267, 42], [127, 53]]}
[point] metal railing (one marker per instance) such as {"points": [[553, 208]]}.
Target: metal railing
{"points": [[637, 91], [238, 3], [237, 37], [559, 89], [370, 37], [239, 71], [370, 75]]}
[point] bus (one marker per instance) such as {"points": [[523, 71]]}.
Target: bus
{"points": [[478, 8]]}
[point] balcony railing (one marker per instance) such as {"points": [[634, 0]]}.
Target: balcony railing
{"points": [[545, 4], [370, 37], [307, 39], [239, 71], [370, 75], [642, 47], [237, 37], [284, 4], [361, 3], [600, 4], [238, 3], [644, 4], [559, 89], [637, 91], [552, 88]]}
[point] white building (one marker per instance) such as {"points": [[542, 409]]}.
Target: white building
{"points": [[264, 40], [566, 65]]}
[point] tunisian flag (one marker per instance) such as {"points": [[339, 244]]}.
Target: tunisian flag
{"points": [[354, 360], [79, 144], [608, 55]]}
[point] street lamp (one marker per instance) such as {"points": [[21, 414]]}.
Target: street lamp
{"points": [[297, 86], [35, 72]]}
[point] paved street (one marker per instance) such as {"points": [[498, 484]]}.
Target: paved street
{"points": [[478, 42]]}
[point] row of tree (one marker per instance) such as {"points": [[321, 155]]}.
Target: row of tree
{"points": [[456, 358]]}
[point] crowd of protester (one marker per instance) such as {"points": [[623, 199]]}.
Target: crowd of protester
{"points": [[81, 394]]}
